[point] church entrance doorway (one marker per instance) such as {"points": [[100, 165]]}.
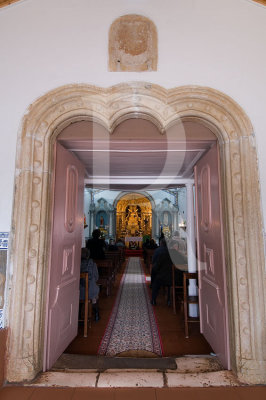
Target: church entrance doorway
{"points": [[178, 152], [32, 217]]}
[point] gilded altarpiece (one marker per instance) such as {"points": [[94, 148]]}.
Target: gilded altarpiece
{"points": [[133, 216]]}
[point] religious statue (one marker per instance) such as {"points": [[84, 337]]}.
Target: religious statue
{"points": [[165, 218], [133, 217], [132, 221], [166, 227]]}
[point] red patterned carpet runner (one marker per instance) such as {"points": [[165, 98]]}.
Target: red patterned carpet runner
{"points": [[134, 253], [132, 325]]}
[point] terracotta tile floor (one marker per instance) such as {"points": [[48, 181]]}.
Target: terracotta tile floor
{"points": [[235, 393]]}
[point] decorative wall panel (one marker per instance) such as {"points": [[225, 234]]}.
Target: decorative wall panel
{"points": [[133, 44], [71, 198], [206, 198], [4, 240]]}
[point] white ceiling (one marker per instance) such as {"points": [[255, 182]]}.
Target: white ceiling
{"points": [[137, 155]]}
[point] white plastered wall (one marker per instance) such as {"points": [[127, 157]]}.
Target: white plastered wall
{"points": [[48, 43]]}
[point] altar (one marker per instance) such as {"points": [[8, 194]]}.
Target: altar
{"points": [[133, 242], [133, 219]]}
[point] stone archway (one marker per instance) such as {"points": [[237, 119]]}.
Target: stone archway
{"points": [[142, 193], [32, 213]]}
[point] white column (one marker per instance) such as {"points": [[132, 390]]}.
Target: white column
{"points": [[154, 225], [114, 223], [91, 212], [92, 219], [89, 223], [175, 217], [111, 223], [158, 222], [191, 248]]}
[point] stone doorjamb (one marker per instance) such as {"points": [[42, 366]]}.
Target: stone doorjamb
{"points": [[31, 224]]}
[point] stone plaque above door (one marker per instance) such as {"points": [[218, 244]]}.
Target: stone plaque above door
{"points": [[133, 44]]}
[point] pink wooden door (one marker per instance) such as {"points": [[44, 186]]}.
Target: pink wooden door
{"points": [[211, 260], [63, 299]]}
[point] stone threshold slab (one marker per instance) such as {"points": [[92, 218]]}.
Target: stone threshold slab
{"points": [[191, 372], [130, 379]]}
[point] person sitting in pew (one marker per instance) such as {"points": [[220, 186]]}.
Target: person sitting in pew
{"points": [[96, 246], [88, 265], [112, 246], [152, 244], [162, 270]]}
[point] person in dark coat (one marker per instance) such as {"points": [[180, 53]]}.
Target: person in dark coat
{"points": [[96, 246], [152, 244], [162, 249], [145, 246], [162, 270], [112, 246]]}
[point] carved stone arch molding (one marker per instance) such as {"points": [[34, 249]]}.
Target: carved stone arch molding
{"points": [[33, 204], [142, 193]]}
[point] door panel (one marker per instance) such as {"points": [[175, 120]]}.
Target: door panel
{"points": [[211, 261], [63, 301]]}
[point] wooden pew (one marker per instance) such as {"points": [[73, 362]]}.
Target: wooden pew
{"points": [[87, 303], [106, 274], [115, 256]]}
